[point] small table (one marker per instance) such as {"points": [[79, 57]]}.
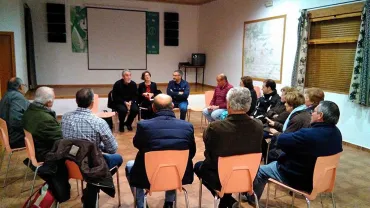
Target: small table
{"points": [[196, 71]]}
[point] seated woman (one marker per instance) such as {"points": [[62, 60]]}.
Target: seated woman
{"points": [[147, 91], [297, 119], [247, 81], [313, 96]]}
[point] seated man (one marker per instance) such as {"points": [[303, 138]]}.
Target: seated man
{"points": [[179, 90], [12, 107], [269, 100], [41, 122], [236, 135], [83, 124], [163, 132], [301, 149], [218, 102], [125, 100]]}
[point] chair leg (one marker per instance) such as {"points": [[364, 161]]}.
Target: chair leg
{"points": [[144, 201], [25, 174], [267, 153], [256, 200], [118, 188], [268, 194], [215, 204], [97, 200], [240, 200], [308, 203], [186, 197], [78, 189], [7, 170], [200, 193], [135, 197], [293, 197], [33, 184], [321, 200], [2, 158], [333, 200]]}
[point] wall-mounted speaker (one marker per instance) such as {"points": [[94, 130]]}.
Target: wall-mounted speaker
{"points": [[56, 22], [171, 29]]}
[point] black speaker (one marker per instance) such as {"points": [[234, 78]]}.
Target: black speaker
{"points": [[56, 22], [198, 59], [171, 29]]}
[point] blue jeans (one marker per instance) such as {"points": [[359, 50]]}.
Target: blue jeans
{"points": [[113, 160], [170, 195], [264, 173], [213, 115], [183, 109]]}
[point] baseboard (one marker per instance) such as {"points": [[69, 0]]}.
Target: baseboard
{"points": [[356, 146]]}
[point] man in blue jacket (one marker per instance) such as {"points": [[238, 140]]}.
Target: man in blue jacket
{"points": [[163, 132], [179, 90], [296, 165]]}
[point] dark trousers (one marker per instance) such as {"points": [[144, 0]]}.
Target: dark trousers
{"points": [[225, 200], [122, 112]]}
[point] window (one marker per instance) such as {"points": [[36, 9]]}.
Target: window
{"points": [[332, 46]]}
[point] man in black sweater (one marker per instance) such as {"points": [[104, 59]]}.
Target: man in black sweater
{"points": [[125, 97]]}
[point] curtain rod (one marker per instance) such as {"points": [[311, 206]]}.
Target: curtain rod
{"points": [[331, 5]]}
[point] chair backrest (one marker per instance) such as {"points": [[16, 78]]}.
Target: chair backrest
{"points": [[95, 107], [324, 174], [236, 173], [165, 169], [208, 97], [258, 91], [73, 170], [30, 147], [4, 136]]}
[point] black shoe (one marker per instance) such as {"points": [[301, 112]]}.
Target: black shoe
{"points": [[129, 127], [168, 205], [122, 129]]}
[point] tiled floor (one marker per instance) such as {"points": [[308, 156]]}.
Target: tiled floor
{"points": [[352, 188]]}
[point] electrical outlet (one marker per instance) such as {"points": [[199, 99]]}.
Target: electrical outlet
{"points": [[269, 3]]}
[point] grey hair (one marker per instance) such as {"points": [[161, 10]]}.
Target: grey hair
{"points": [[239, 99], [44, 95], [125, 70], [179, 71], [330, 112]]}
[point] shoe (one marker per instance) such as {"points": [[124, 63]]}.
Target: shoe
{"points": [[168, 205], [122, 129], [129, 127]]}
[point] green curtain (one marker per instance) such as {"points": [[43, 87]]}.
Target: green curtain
{"points": [[360, 84]]}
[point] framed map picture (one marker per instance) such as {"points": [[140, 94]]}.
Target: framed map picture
{"points": [[263, 48]]}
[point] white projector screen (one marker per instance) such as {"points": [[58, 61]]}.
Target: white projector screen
{"points": [[116, 39]]}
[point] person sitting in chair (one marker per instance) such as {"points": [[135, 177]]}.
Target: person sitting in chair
{"points": [[147, 91], [179, 90]]}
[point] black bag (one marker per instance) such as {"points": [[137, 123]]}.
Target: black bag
{"points": [[111, 104], [109, 122]]}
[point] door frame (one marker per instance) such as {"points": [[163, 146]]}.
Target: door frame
{"points": [[11, 34]]}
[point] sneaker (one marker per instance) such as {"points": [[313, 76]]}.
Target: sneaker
{"points": [[129, 127]]}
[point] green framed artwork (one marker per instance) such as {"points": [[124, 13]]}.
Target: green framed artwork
{"points": [[78, 29], [152, 32]]}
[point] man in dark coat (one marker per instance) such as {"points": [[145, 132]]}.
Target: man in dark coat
{"points": [[12, 107], [238, 134], [269, 100], [125, 100], [179, 90], [163, 132], [41, 122], [301, 149]]}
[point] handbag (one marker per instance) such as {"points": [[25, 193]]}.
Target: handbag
{"points": [[42, 198]]}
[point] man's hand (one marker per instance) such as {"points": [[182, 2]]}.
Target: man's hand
{"points": [[215, 107], [273, 131], [270, 122], [180, 93], [150, 95]]}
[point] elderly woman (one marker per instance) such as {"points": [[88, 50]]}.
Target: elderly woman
{"points": [[313, 96], [147, 91], [297, 119]]}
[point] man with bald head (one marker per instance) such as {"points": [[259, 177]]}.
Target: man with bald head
{"points": [[40, 120], [163, 132], [12, 107], [218, 102]]}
